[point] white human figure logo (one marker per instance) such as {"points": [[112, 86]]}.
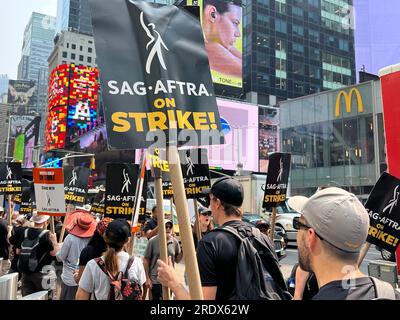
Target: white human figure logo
{"points": [[189, 165], [74, 178], [127, 182], [279, 178], [393, 202], [157, 42], [9, 173], [48, 199]]}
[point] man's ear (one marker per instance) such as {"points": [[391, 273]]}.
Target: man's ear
{"points": [[312, 239]]}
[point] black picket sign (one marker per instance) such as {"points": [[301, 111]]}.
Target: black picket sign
{"points": [[10, 178], [76, 181], [156, 75], [277, 179], [383, 207], [120, 190]]}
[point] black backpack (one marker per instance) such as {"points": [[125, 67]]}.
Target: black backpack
{"points": [[258, 276], [28, 260]]}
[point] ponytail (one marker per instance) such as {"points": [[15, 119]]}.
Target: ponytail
{"points": [[111, 261]]}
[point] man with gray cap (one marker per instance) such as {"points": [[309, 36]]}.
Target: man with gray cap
{"points": [[331, 231]]}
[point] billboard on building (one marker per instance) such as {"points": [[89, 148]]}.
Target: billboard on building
{"points": [[240, 127], [223, 32], [31, 140], [18, 124], [72, 102], [21, 92], [83, 97], [268, 134], [56, 128], [18, 154]]}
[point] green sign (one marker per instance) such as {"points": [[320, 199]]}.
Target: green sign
{"points": [[19, 147]]}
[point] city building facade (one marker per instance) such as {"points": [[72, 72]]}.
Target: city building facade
{"points": [[294, 48], [336, 138], [3, 88]]}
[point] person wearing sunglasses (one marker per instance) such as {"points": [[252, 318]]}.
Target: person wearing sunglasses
{"points": [[332, 229], [152, 254], [206, 225]]}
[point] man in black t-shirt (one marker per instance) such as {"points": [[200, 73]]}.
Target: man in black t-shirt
{"points": [[332, 228], [38, 280], [217, 252], [151, 227]]}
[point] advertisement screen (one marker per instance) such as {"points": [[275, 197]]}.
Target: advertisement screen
{"points": [[268, 134], [18, 124], [222, 26], [21, 92], [18, 153], [31, 139], [58, 86], [240, 127], [83, 97], [56, 128]]}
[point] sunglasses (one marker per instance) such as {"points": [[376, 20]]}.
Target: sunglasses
{"points": [[299, 225], [206, 213], [168, 227]]}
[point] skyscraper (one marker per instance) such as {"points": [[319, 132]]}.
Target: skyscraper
{"points": [[74, 15], [3, 86], [37, 46], [294, 48]]}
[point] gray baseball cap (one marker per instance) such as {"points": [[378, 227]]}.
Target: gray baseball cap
{"points": [[336, 215]]}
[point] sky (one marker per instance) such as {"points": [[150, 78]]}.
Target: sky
{"points": [[14, 16]]}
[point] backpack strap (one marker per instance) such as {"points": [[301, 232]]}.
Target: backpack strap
{"points": [[383, 290], [130, 262], [43, 233], [102, 266]]}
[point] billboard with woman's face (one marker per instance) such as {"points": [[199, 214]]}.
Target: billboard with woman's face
{"points": [[222, 28]]}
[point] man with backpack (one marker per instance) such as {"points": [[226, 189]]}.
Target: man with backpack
{"points": [[331, 231], [235, 248], [35, 248]]}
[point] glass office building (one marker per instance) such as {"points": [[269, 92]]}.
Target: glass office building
{"points": [[74, 15], [294, 48], [336, 138], [36, 48]]}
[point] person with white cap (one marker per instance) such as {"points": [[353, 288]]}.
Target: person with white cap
{"points": [[35, 249], [332, 229], [152, 254]]}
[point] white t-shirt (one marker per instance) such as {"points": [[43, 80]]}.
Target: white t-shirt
{"points": [[95, 280]]}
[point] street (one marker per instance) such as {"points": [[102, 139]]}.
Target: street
{"points": [[291, 259]]}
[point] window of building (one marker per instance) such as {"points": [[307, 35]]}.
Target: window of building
{"points": [[280, 25], [298, 87], [343, 45], [314, 72], [262, 19], [314, 88], [313, 3], [298, 68], [67, 45], [64, 61], [281, 45], [297, 12], [313, 35], [73, 56], [280, 7], [280, 64], [90, 41], [298, 30], [315, 54], [264, 3], [298, 48], [80, 58], [64, 54], [89, 59], [81, 48], [313, 17], [73, 46], [90, 50], [280, 84]]}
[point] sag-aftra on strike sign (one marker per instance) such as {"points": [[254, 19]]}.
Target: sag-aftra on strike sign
{"points": [[156, 75]]}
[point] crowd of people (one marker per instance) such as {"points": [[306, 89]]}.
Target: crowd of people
{"points": [[95, 260]]}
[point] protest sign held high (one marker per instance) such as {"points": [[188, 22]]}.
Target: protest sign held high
{"points": [[49, 191], [277, 179], [10, 178], [98, 203], [28, 202], [120, 190], [76, 181], [153, 80], [383, 207]]}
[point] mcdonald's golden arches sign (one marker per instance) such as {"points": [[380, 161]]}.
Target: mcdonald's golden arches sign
{"points": [[347, 100]]}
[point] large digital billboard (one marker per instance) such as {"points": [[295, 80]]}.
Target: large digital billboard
{"points": [[31, 139], [56, 128], [83, 97], [223, 32], [73, 98], [21, 92], [240, 127], [268, 134]]}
